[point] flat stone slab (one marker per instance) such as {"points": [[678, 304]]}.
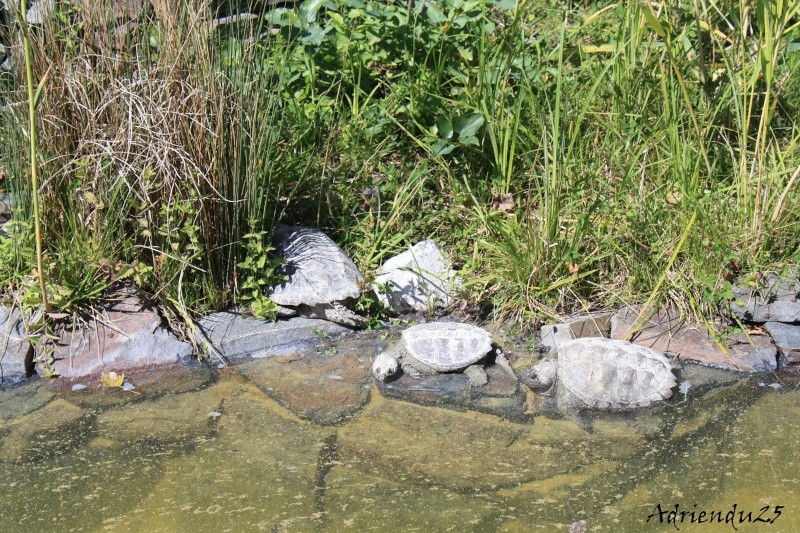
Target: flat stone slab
{"points": [[577, 327], [239, 337], [127, 335], [16, 356], [787, 340], [670, 334], [18, 401], [323, 388], [417, 280], [501, 396], [774, 299]]}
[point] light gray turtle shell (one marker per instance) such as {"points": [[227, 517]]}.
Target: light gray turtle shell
{"points": [[318, 271], [614, 374], [447, 346]]}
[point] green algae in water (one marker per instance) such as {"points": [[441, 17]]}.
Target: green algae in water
{"points": [[229, 458]]}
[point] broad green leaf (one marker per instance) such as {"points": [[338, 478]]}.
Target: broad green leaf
{"points": [[441, 148], [471, 140], [794, 46], [444, 126], [435, 14], [469, 124]]}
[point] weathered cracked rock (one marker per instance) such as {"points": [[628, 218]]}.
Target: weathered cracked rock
{"points": [[323, 388], [417, 280], [128, 335], [687, 340], [787, 340], [591, 325], [775, 300], [320, 278], [501, 396], [239, 337], [55, 428], [16, 354]]}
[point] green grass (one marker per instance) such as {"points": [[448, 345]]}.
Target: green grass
{"points": [[651, 150]]}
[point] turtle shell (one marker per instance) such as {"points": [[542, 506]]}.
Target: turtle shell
{"points": [[447, 346], [614, 374], [317, 270]]}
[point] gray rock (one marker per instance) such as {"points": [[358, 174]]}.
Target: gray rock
{"points": [[128, 335], [321, 279], [576, 327], [16, 355], [240, 337], [668, 332], [5, 198], [787, 340], [776, 300], [417, 280]]}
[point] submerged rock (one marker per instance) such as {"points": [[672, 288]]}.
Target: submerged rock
{"points": [[323, 388], [321, 279], [471, 451], [16, 354], [239, 337], [53, 429], [667, 332], [417, 280], [127, 335], [260, 471]]}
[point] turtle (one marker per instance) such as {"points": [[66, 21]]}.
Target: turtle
{"points": [[435, 347], [602, 373], [320, 279]]}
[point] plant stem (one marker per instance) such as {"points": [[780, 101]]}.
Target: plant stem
{"points": [[34, 168]]}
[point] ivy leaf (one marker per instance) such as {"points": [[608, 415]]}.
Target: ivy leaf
{"points": [[112, 380]]}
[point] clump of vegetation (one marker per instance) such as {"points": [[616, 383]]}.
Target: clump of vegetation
{"points": [[570, 156]]}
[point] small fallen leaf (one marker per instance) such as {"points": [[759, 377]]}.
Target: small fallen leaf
{"points": [[573, 268], [112, 380]]}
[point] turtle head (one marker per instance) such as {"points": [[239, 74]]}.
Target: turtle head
{"points": [[541, 377], [384, 367]]}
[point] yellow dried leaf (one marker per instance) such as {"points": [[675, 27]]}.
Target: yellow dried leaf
{"points": [[112, 380]]}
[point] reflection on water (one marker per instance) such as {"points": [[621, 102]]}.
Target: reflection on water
{"points": [[228, 458]]}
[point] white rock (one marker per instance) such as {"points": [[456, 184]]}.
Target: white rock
{"points": [[418, 279]]}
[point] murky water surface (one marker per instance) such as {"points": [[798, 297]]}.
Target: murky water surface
{"points": [[225, 457]]}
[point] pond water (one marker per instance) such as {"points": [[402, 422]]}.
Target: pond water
{"points": [[223, 456]]}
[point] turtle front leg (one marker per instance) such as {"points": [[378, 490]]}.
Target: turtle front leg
{"points": [[476, 375]]}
